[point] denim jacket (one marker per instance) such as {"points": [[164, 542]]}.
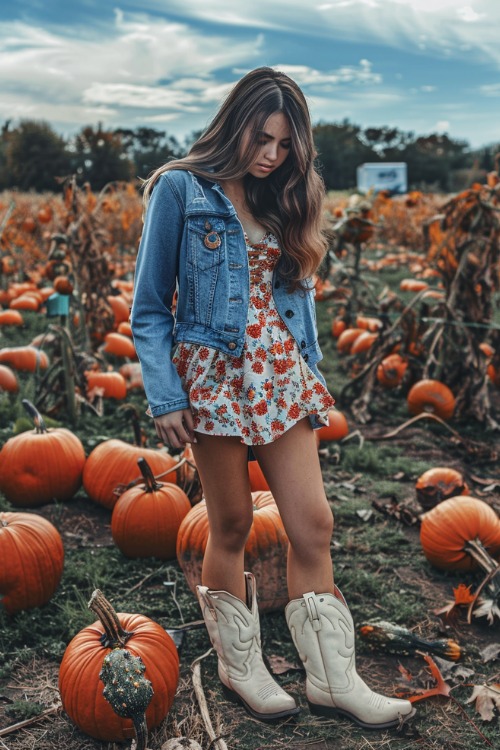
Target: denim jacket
{"points": [[193, 241]]}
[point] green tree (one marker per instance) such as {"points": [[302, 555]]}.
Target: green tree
{"points": [[32, 156], [340, 151], [148, 148], [431, 159], [99, 157]]}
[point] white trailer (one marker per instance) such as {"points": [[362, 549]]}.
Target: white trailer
{"points": [[376, 176]]}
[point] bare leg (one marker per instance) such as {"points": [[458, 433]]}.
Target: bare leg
{"points": [[223, 467], [232, 618], [291, 467]]}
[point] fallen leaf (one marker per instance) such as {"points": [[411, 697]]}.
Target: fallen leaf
{"points": [[279, 665], [365, 514], [414, 693], [490, 652], [487, 608], [452, 670], [487, 698]]}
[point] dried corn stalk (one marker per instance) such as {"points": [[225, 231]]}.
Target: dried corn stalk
{"points": [[442, 337]]}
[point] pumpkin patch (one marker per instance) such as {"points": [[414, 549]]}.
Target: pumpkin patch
{"points": [[413, 537]]}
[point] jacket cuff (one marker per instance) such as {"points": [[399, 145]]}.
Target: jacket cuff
{"points": [[157, 411]]}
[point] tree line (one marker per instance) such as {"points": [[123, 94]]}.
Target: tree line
{"points": [[33, 156]]}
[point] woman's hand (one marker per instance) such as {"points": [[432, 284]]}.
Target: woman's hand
{"points": [[176, 428]]}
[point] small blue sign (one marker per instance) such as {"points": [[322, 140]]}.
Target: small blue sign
{"points": [[57, 304]]}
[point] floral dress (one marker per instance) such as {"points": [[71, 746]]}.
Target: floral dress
{"points": [[266, 390]]}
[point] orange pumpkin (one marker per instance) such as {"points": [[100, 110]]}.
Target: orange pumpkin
{"points": [[146, 518], [438, 484], [347, 339], [120, 308], [63, 285], [258, 481], [265, 551], [369, 324], [113, 464], [11, 318], [338, 326], [487, 349], [113, 384], [41, 466], [119, 345], [26, 358], [433, 396], [363, 342], [413, 285], [337, 427], [25, 302], [80, 688], [125, 329], [8, 380], [449, 528], [31, 560], [45, 215], [391, 370]]}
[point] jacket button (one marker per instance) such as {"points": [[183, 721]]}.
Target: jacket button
{"points": [[306, 357], [289, 313], [277, 285], [303, 344], [232, 345]]}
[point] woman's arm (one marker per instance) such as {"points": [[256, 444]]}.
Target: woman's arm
{"points": [[155, 282]]}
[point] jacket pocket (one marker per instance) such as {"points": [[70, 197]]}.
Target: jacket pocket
{"points": [[206, 241]]}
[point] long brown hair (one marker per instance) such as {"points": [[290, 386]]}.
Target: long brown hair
{"points": [[289, 201]]}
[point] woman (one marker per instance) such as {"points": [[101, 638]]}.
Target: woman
{"points": [[235, 229]]}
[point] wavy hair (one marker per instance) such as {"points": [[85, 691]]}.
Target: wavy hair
{"points": [[289, 201]]}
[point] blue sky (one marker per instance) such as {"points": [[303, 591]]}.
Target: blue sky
{"points": [[420, 65]]}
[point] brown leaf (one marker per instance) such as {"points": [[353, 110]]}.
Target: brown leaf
{"points": [[487, 698], [279, 665]]}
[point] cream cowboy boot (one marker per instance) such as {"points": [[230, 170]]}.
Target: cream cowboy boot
{"points": [[323, 632], [234, 631]]}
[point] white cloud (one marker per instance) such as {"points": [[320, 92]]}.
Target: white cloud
{"points": [[67, 78], [468, 14], [306, 76], [434, 25], [490, 89]]}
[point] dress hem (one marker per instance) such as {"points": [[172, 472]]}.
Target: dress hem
{"points": [[268, 442]]}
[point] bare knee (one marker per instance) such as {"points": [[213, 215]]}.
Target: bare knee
{"points": [[312, 537], [230, 531]]}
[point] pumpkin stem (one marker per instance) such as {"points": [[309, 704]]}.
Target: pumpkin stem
{"points": [[35, 415], [151, 484], [114, 635]]}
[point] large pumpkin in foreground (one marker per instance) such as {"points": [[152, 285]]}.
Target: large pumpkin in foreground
{"points": [[31, 560], [265, 551], [79, 684]]}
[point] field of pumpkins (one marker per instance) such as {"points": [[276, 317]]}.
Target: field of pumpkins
{"points": [[103, 530]]}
